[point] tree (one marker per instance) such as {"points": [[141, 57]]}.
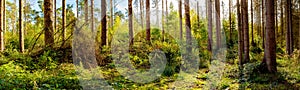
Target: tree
{"points": [[218, 23], [289, 41], [230, 21], [1, 27], [188, 24], [270, 47], [21, 31], [103, 23], [130, 25], [281, 19], [55, 15], [252, 24], [240, 33], [111, 14], [142, 12], [148, 28], [86, 10], [48, 23], [180, 18], [77, 8], [209, 17], [163, 20], [92, 16], [246, 29], [198, 15], [63, 19]]}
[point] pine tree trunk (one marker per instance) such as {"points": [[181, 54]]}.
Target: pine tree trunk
{"points": [[180, 19], [130, 25], [289, 28], [252, 24], [198, 15], [230, 21], [77, 9], [55, 15], [111, 14], [241, 42], [281, 20], [148, 28], [263, 23], [218, 23], [142, 13], [48, 23], [63, 19], [188, 24], [1, 27], [209, 17], [92, 17], [246, 30], [163, 20], [103, 23], [86, 10], [270, 46]]}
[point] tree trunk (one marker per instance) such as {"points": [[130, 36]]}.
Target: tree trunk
{"points": [[209, 17], [48, 23], [180, 18], [163, 20], [252, 24], [289, 45], [281, 20], [92, 17], [55, 15], [270, 47], [142, 13], [130, 26], [148, 28], [1, 27], [230, 21], [111, 15], [103, 23], [77, 9], [218, 23], [198, 15], [241, 42], [63, 19], [188, 24], [246, 30], [263, 23], [86, 10]]}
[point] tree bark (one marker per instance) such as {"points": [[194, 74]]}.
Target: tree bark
{"points": [[241, 42], [263, 23], [270, 47], [55, 15], [198, 15], [218, 23], [180, 18], [230, 23], [86, 10], [92, 17], [130, 25], [289, 45], [252, 24], [188, 25], [163, 20], [111, 14], [77, 9], [209, 17], [103, 23], [48, 23], [148, 28], [1, 27], [281, 19], [63, 19], [142, 13], [246, 30]]}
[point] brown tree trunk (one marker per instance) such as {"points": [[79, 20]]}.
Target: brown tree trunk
{"points": [[209, 17], [246, 30], [111, 14], [48, 23], [103, 23], [21, 31], [198, 15], [163, 20], [148, 28], [281, 20], [63, 19], [86, 10], [252, 24], [92, 17], [263, 23], [218, 23], [55, 15], [180, 18], [77, 8], [270, 47], [130, 25], [188, 24], [289, 45], [1, 27], [240, 34], [230, 21], [142, 13]]}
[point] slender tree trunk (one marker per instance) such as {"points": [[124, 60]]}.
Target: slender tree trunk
{"points": [[180, 18], [55, 15], [241, 42], [163, 20], [142, 12], [103, 23], [230, 21], [63, 19], [276, 20], [48, 23], [218, 23], [77, 8], [1, 27], [289, 45], [281, 20], [263, 23], [252, 24], [86, 10], [148, 28], [270, 46], [246, 30], [188, 24], [21, 31], [92, 17], [209, 17], [4, 25], [130, 26], [111, 14], [167, 13], [198, 15]]}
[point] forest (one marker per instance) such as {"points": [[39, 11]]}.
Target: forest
{"points": [[150, 44]]}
